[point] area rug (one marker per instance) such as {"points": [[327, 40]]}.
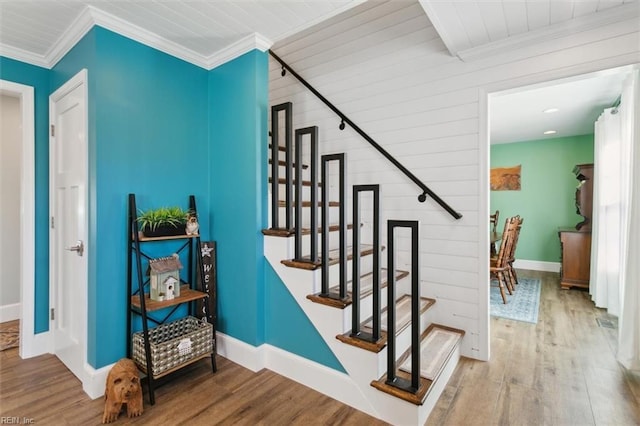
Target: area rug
{"points": [[523, 305], [9, 335]]}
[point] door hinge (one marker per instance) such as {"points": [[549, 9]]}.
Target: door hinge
{"points": [[53, 316], [53, 130], [52, 223]]}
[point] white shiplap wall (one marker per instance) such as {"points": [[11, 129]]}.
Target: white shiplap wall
{"points": [[383, 65]]}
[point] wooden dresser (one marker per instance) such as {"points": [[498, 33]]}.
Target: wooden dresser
{"points": [[575, 243]]}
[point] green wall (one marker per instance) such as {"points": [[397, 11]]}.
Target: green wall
{"points": [[547, 198]]}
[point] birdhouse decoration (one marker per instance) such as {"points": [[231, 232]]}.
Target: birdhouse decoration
{"points": [[164, 277]]}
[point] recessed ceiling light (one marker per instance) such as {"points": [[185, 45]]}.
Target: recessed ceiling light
{"points": [[550, 110], [550, 132]]}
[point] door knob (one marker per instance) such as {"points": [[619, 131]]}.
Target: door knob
{"points": [[78, 248]]}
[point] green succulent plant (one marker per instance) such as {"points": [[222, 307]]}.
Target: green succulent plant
{"points": [[150, 220]]}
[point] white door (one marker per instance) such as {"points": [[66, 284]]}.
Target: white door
{"points": [[69, 229]]}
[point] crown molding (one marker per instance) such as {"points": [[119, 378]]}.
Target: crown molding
{"points": [[240, 47], [71, 36], [148, 38], [23, 56], [552, 32], [91, 16]]}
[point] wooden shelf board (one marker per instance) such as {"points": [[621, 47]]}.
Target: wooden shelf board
{"points": [[186, 295], [170, 237]]}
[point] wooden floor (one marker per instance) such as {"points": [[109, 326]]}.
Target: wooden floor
{"points": [[561, 371]]}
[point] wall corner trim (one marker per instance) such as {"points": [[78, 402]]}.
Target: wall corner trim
{"points": [[239, 48]]}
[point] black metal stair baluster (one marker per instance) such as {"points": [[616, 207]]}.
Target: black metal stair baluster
{"points": [[324, 212], [355, 279], [343, 225], [275, 164], [414, 384], [377, 311], [313, 136], [340, 158], [314, 193], [415, 304], [298, 196], [355, 275], [391, 306]]}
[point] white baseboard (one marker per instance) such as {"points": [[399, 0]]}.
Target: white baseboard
{"points": [[10, 312], [33, 344], [248, 356], [311, 374], [537, 265], [95, 380]]}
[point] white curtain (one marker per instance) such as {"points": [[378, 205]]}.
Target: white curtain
{"points": [[629, 318], [605, 235], [615, 245]]}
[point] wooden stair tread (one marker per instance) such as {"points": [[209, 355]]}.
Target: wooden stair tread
{"points": [[425, 384], [305, 262], [284, 163], [305, 231], [306, 203], [366, 288]]}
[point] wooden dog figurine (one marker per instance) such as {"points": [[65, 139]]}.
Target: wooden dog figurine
{"points": [[123, 387]]}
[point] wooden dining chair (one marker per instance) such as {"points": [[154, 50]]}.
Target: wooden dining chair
{"points": [[493, 221], [499, 265], [511, 257]]}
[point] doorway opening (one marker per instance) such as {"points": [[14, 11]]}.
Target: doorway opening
{"points": [[18, 218]]}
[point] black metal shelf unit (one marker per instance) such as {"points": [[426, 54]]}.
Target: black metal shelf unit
{"points": [[140, 304]]}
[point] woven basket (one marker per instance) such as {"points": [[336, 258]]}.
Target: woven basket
{"points": [[173, 344]]}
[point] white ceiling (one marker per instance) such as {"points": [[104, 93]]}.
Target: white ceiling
{"points": [[518, 116], [201, 32], [210, 32]]}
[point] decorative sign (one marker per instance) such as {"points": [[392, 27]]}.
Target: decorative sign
{"points": [[206, 308], [505, 178]]}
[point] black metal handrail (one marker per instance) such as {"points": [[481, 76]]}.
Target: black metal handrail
{"points": [[392, 379], [425, 189], [374, 336], [342, 177], [300, 133]]}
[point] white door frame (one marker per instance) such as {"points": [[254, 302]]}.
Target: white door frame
{"points": [[29, 347], [80, 79], [550, 78]]}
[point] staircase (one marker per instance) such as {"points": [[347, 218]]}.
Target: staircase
{"points": [[397, 358]]}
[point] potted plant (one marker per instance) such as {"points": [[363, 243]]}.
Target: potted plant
{"points": [[163, 221]]}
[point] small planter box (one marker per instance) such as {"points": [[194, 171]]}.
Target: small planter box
{"points": [[165, 231], [173, 344]]}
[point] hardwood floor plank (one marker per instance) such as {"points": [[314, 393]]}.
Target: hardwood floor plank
{"points": [[518, 405]]}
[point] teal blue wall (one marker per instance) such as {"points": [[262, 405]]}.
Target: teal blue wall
{"points": [[148, 136], [288, 328], [238, 92], [163, 129], [38, 78], [547, 198]]}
